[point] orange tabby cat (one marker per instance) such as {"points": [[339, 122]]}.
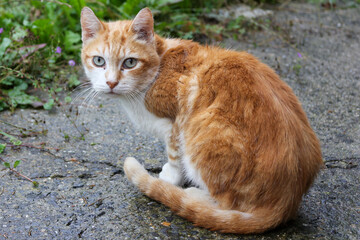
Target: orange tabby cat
{"points": [[231, 126]]}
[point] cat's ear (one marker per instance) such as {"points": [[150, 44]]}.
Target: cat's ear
{"points": [[90, 24], [143, 25]]}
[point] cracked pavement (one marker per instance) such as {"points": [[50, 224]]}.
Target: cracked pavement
{"points": [[83, 193]]}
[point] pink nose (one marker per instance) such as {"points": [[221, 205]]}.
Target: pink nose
{"points": [[112, 84]]}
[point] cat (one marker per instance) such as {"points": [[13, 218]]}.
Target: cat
{"points": [[232, 128]]}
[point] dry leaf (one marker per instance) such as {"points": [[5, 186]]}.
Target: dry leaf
{"points": [[166, 224]]}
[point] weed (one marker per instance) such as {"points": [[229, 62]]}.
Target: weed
{"points": [[66, 137], [38, 50], [12, 139], [16, 163], [296, 68]]}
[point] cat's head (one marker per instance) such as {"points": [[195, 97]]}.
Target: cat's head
{"points": [[119, 57]]}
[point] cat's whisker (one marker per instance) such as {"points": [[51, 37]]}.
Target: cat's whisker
{"points": [[82, 85], [80, 95], [136, 95], [85, 104], [87, 95], [74, 102], [134, 98], [93, 96], [80, 91], [88, 98]]}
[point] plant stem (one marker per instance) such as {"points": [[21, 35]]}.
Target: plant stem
{"points": [[19, 174], [12, 125], [32, 146]]}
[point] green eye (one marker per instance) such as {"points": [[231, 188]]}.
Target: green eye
{"points": [[129, 63], [98, 61]]}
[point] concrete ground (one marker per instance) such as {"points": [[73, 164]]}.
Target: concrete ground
{"points": [[83, 193]]}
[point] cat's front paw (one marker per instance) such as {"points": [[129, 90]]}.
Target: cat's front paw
{"points": [[171, 174]]}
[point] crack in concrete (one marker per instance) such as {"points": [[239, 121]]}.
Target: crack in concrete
{"points": [[341, 159], [344, 163], [98, 162], [81, 232]]}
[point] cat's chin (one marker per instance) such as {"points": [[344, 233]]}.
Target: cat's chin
{"points": [[114, 94], [113, 91], [118, 92]]}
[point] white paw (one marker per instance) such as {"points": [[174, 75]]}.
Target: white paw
{"points": [[171, 174]]}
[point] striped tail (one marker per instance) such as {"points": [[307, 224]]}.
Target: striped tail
{"points": [[197, 207]]}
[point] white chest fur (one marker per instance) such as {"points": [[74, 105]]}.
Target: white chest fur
{"points": [[145, 120]]}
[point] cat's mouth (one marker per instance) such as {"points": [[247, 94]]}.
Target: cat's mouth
{"points": [[118, 90]]}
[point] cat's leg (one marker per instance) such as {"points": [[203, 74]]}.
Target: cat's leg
{"points": [[172, 170]]}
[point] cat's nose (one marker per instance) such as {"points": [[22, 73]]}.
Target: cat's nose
{"points": [[112, 84]]}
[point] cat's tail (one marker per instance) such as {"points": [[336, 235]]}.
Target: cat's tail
{"points": [[198, 208]]}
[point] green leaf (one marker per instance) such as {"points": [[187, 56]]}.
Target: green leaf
{"points": [[11, 81], [21, 98], [16, 163], [68, 99], [13, 139], [2, 147], [49, 104], [16, 142], [3, 105], [17, 95], [73, 81], [6, 164], [70, 40], [4, 45], [161, 3], [41, 24], [49, 74], [66, 137], [35, 184], [77, 5], [21, 87], [58, 89], [44, 28], [131, 7], [50, 11], [19, 33]]}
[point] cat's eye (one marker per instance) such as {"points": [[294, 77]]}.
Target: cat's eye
{"points": [[129, 63], [98, 61]]}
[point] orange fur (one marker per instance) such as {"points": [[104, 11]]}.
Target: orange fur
{"points": [[237, 130]]}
